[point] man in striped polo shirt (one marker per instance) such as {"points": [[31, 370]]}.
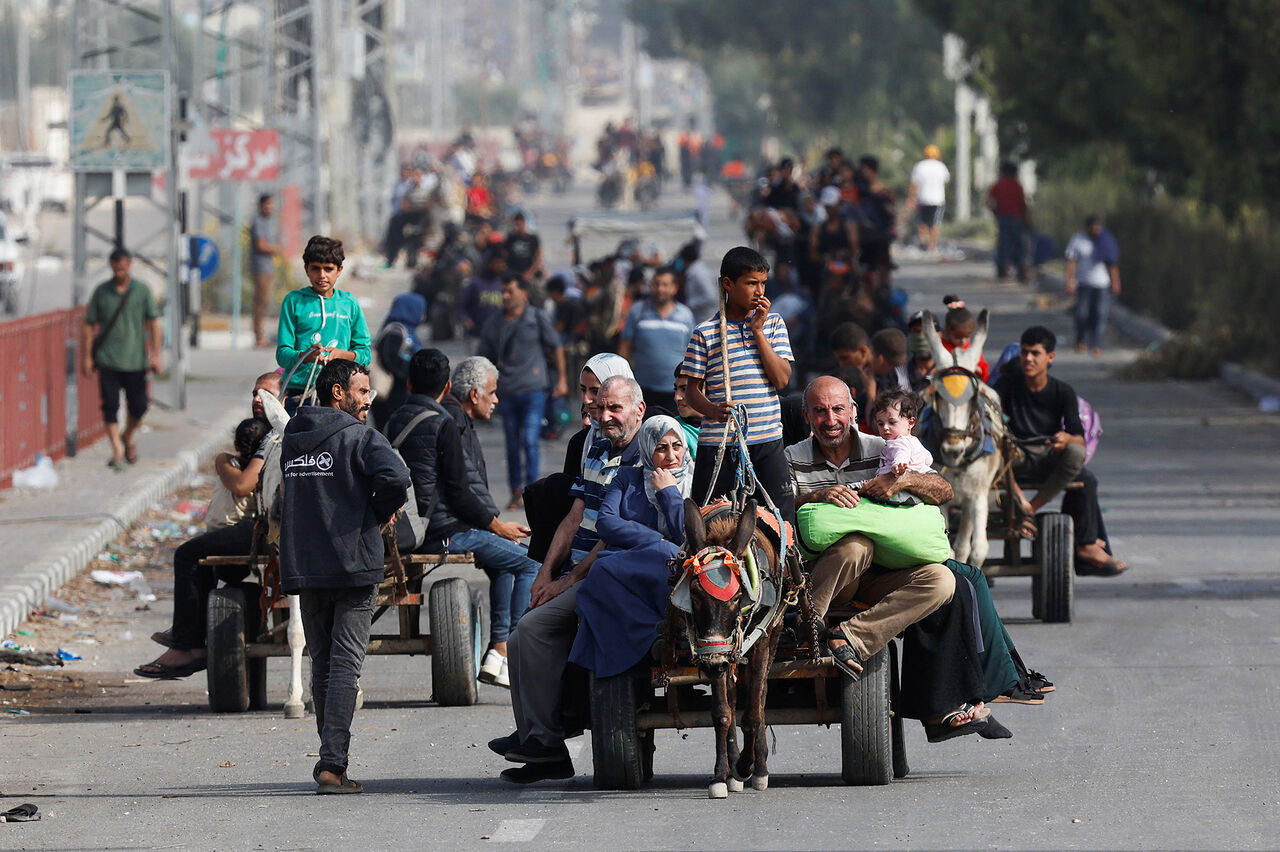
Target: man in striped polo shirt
{"points": [[539, 648], [759, 353], [837, 464]]}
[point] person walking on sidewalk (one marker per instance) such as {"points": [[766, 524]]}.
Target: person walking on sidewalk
{"points": [[1008, 203], [1093, 276], [341, 481], [122, 341]]}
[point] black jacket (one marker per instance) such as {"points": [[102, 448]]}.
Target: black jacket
{"points": [[341, 480], [451, 493], [470, 438]]}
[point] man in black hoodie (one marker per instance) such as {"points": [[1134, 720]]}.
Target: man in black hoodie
{"points": [[341, 481]]}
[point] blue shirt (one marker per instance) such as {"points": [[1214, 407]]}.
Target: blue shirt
{"points": [[657, 343], [602, 464]]}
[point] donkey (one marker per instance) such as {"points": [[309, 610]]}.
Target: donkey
{"points": [[967, 435], [717, 623]]}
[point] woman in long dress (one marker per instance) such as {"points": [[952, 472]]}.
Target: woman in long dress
{"points": [[623, 599]]}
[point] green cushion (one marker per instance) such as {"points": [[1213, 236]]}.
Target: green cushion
{"points": [[904, 536]]}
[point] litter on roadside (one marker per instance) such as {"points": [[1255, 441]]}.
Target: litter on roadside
{"points": [[131, 579]]}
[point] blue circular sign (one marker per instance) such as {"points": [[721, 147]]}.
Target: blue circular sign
{"points": [[204, 256]]}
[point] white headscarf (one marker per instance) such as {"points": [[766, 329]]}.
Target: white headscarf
{"points": [[652, 431], [604, 366]]}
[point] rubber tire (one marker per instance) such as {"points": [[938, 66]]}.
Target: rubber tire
{"points": [[228, 670], [617, 747], [453, 655], [1056, 552], [866, 739], [480, 620], [900, 766]]}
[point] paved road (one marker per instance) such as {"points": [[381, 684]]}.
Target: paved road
{"points": [[1161, 733]]}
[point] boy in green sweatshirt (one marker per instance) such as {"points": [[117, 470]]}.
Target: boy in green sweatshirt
{"points": [[320, 315]]}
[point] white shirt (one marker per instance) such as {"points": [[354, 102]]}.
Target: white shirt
{"points": [[930, 178], [1089, 272]]}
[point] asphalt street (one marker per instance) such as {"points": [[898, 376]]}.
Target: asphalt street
{"points": [[1161, 733]]}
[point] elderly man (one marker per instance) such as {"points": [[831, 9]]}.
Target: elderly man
{"points": [[837, 465], [192, 581], [539, 648], [341, 481], [452, 489]]}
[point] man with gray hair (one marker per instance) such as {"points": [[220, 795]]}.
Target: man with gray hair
{"points": [[540, 645]]}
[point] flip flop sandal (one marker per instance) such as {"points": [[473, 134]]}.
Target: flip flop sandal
{"points": [[347, 786], [25, 812], [944, 730], [844, 657], [117, 465], [1110, 568], [163, 638], [162, 672]]}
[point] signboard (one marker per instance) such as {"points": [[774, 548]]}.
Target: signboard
{"points": [[204, 256], [238, 155], [119, 120]]}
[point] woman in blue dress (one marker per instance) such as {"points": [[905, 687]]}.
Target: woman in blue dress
{"points": [[623, 599]]}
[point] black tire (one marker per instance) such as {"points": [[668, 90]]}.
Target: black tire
{"points": [[257, 665], [1056, 551], [900, 767], [617, 748], [866, 747], [453, 655], [228, 669]]}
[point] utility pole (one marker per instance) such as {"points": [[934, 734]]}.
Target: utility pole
{"points": [[956, 67]]}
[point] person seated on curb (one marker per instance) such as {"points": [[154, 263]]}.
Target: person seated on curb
{"points": [[539, 648], [452, 491], [192, 581], [1044, 411], [837, 465]]}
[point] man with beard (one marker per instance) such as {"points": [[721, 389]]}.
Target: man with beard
{"points": [[654, 338], [342, 480]]}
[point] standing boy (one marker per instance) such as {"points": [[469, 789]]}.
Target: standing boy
{"points": [[759, 365], [322, 316], [122, 341], [341, 481]]}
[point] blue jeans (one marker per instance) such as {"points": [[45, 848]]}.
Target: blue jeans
{"points": [[511, 573], [1092, 306], [1010, 250], [521, 422]]}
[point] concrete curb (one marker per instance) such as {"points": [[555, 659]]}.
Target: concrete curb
{"points": [[29, 589], [1151, 333]]}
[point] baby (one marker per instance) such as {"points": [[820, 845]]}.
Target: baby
{"points": [[225, 509], [895, 416]]}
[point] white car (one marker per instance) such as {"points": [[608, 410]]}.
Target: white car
{"points": [[10, 268]]}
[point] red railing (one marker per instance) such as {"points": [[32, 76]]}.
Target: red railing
{"points": [[34, 358]]}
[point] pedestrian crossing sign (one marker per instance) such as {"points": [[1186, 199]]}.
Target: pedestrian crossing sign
{"points": [[119, 120]]}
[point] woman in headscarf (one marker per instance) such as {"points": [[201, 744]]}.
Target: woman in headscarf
{"points": [[623, 599], [395, 344]]}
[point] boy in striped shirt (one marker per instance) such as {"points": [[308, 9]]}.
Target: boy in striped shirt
{"points": [[759, 366]]}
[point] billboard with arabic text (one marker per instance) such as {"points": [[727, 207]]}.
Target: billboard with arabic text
{"points": [[252, 155]]}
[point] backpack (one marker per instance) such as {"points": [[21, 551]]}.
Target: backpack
{"points": [[382, 377], [410, 525]]}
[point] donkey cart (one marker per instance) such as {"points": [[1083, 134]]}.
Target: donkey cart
{"points": [[627, 709], [251, 621]]}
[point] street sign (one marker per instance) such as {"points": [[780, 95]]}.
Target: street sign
{"points": [[252, 155], [204, 256], [119, 120]]}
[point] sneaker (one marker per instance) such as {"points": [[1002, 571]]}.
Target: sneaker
{"points": [[504, 676], [492, 667], [535, 752]]}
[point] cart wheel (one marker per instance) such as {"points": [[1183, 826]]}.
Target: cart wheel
{"points": [[1057, 567], [453, 655], [866, 750], [618, 749], [479, 617], [228, 669], [900, 767]]}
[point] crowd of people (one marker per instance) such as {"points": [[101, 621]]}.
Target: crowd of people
{"points": [[669, 357]]}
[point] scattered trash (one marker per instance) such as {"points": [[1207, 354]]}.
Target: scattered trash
{"points": [[26, 812], [56, 605], [68, 657], [189, 509], [66, 616], [226, 764], [15, 687], [24, 633], [39, 475], [11, 645], [126, 635], [16, 713], [132, 579]]}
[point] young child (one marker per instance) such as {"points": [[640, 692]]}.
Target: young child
{"points": [[957, 330], [225, 509], [759, 366], [895, 413], [319, 314]]}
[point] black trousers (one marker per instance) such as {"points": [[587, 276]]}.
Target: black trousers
{"points": [[772, 474], [192, 581], [941, 668]]}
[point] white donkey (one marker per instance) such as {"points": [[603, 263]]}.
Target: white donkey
{"points": [[967, 435]]}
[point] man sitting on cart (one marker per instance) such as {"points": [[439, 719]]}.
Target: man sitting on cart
{"points": [[824, 467]]}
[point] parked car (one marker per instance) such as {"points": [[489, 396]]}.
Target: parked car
{"points": [[31, 181]]}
